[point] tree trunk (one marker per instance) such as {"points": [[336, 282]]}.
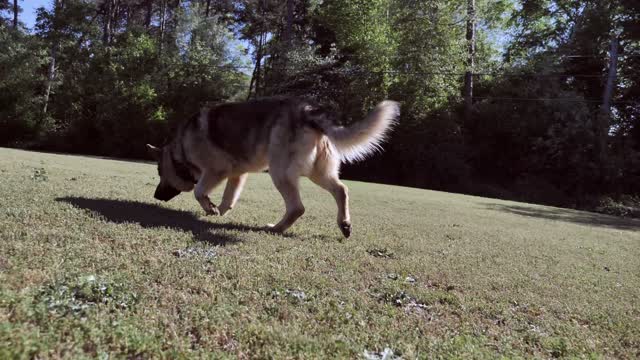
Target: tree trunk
{"points": [[129, 16], [51, 73], [147, 18], [174, 16], [289, 30], [471, 54], [206, 14], [106, 26], [108, 21], [611, 78], [173, 30], [15, 14], [255, 77], [163, 19], [605, 110]]}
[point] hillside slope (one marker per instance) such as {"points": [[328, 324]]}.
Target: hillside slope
{"points": [[91, 264]]}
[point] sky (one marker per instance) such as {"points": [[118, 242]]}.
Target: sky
{"points": [[28, 14]]}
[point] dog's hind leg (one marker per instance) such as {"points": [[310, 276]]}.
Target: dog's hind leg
{"points": [[232, 193], [325, 175], [340, 193], [208, 181], [288, 187]]}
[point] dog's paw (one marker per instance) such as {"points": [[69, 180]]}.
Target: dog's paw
{"points": [[213, 211], [224, 209], [210, 208], [345, 227], [273, 229]]}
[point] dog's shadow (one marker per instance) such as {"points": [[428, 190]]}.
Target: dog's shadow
{"points": [[153, 216]]}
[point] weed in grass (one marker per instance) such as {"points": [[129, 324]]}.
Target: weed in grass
{"points": [[399, 298], [556, 346], [76, 297], [296, 295], [381, 253], [198, 252], [386, 354], [39, 174]]}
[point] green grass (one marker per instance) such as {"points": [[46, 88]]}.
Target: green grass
{"points": [[92, 266]]}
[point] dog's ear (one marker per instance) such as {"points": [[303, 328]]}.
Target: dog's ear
{"points": [[155, 152]]}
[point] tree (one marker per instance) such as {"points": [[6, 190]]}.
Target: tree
{"points": [[16, 9], [21, 59], [471, 54], [58, 7], [97, 75]]}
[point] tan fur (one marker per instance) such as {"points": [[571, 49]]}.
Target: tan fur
{"points": [[284, 136]]}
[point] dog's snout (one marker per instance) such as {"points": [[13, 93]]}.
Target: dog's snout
{"points": [[165, 193]]}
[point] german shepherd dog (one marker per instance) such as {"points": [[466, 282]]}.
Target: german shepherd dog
{"points": [[290, 137]]}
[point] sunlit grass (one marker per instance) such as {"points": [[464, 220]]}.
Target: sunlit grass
{"points": [[91, 264]]}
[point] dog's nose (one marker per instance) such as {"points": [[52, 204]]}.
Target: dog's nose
{"points": [[165, 193], [157, 196]]}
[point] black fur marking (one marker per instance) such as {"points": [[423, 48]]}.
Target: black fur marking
{"points": [[237, 128], [166, 193], [192, 122], [182, 170], [191, 166]]}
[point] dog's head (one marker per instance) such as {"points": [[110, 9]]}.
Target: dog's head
{"points": [[171, 182]]}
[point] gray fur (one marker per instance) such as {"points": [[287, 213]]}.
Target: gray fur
{"points": [[289, 136]]}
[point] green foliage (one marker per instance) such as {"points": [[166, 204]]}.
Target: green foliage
{"points": [[78, 297], [20, 60], [111, 98], [39, 174], [120, 81]]}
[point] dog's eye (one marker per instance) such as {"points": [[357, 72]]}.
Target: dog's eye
{"points": [[313, 111]]}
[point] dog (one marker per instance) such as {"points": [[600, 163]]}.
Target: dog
{"points": [[289, 137]]}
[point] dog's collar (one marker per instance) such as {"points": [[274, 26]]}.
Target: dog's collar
{"points": [[183, 169]]}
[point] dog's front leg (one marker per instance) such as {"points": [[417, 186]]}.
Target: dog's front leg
{"points": [[208, 181], [232, 192]]}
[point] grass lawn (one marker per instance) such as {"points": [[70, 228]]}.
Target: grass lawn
{"points": [[92, 266]]}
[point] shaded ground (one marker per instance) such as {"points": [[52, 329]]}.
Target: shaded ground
{"points": [[567, 215], [154, 216]]}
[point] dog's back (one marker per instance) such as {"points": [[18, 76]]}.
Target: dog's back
{"points": [[243, 129]]}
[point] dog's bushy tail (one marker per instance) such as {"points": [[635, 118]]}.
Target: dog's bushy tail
{"points": [[365, 137]]}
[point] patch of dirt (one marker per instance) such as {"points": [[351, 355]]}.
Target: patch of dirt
{"points": [[207, 254], [380, 253], [386, 354], [293, 295]]}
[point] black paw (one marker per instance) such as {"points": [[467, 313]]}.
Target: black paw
{"points": [[212, 210], [345, 227]]}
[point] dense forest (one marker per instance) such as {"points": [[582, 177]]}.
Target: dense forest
{"points": [[533, 100]]}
